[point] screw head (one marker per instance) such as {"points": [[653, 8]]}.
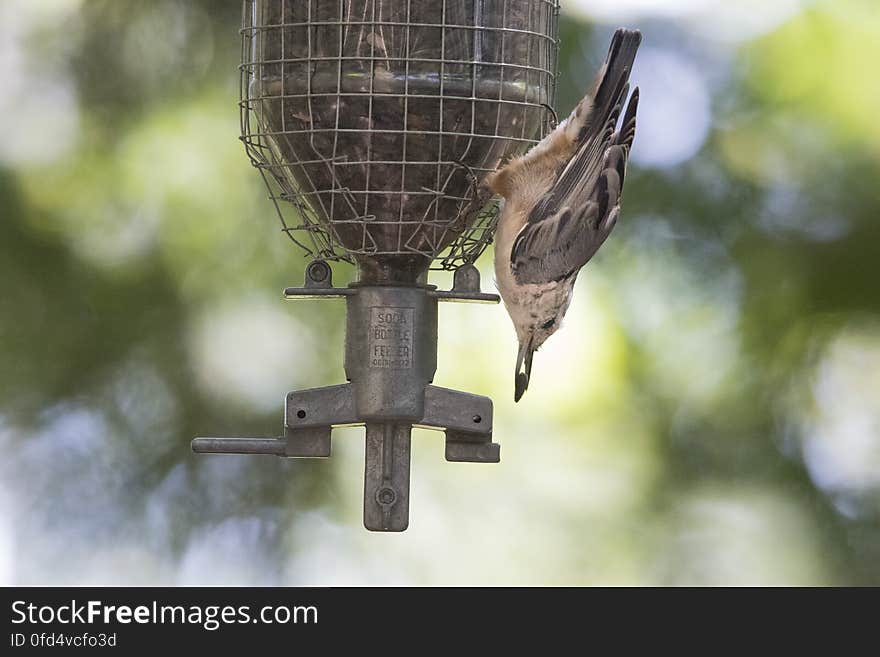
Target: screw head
{"points": [[318, 271], [300, 414], [386, 496], [477, 419]]}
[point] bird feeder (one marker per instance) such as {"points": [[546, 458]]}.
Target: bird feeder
{"points": [[373, 123]]}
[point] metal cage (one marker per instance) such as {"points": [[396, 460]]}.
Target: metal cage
{"points": [[373, 121]]}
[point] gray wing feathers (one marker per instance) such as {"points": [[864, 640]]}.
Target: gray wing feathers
{"points": [[566, 229], [569, 223], [555, 245]]}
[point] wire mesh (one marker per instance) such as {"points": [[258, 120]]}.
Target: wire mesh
{"points": [[373, 121]]}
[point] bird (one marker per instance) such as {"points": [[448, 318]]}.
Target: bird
{"points": [[560, 201]]}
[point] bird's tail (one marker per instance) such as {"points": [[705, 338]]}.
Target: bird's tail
{"points": [[608, 90]]}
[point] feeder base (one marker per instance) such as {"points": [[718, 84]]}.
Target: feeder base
{"points": [[390, 360]]}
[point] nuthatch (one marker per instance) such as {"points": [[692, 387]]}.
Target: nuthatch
{"points": [[561, 200]]}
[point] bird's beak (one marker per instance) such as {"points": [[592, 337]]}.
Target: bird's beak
{"points": [[521, 382]]}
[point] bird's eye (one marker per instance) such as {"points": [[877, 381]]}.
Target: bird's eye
{"points": [[548, 324]]}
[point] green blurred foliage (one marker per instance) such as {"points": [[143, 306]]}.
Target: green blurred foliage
{"points": [[709, 414]]}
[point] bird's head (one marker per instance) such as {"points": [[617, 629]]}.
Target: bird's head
{"points": [[532, 334]]}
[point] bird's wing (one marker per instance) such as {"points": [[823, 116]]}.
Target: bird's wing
{"points": [[569, 223]]}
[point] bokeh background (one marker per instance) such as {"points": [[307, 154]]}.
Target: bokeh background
{"points": [[710, 413]]}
